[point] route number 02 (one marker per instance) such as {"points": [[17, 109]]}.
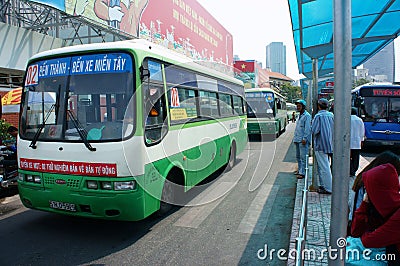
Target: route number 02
{"points": [[32, 75]]}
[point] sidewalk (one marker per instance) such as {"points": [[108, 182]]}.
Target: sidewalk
{"points": [[318, 220]]}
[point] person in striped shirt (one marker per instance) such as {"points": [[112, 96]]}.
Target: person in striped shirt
{"points": [[322, 131]]}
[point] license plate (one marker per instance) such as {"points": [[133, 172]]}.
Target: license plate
{"points": [[62, 206]]}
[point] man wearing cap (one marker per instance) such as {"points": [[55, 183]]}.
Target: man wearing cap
{"points": [[302, 137], [322, 130]]}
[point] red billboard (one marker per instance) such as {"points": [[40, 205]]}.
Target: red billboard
{"points": [[185, 26]]}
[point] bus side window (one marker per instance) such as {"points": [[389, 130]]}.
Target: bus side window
{"points": [[225, 104], [237, 105], [155, 114]]}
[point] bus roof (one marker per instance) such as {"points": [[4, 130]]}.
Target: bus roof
{"points": [[264, 90], [152, 49]]}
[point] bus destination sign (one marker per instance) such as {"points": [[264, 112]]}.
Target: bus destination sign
{"points": [[386, 92], [78, 65], [380, 92]]}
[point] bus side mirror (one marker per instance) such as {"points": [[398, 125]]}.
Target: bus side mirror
{"points": [[144, 73]]}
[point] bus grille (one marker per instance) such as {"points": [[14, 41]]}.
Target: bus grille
{"points": [[70, 182], [73, 183], [48, 180]]}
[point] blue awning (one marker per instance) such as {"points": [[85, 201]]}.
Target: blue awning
{"points": [[374, 25]]}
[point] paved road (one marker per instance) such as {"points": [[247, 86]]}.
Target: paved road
{"points": [[228, 221]]}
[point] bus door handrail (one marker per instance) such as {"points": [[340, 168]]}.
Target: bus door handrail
{"points": [[301, 237]]}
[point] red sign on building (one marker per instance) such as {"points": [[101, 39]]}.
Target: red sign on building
{"points": [[329, 84]]}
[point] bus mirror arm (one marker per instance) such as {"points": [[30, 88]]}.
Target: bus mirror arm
{"points": [[144, 73]]}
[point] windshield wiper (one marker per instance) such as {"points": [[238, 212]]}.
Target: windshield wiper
{"points": [[81, 130], [37, 134]]}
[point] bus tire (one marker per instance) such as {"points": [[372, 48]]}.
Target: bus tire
{"points": [[232, 157], [279, 131], [166, 198], [172, 191]]}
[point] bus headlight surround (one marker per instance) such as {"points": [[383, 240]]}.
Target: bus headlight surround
{"points": [[21, 177], [125, 185]]}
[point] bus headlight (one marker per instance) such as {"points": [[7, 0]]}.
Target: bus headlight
{"points": [[29, 178], [106, 185], [37, 179], [21, 177], [91, 184], [125, 185]]}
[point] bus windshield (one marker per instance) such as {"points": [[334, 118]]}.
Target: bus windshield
{"points": [[381, 109], [81, 98], [260, 104]]}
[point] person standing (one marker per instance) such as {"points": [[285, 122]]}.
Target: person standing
{"points": [[293, 117], [302, 137], [322, 131], [357, 133]]}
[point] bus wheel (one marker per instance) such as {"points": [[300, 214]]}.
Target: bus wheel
{"points": [[173, 192], [167, 198], [279, 131], [284, 128], [232, 158]]}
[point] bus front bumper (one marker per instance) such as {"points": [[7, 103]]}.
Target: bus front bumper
{"points": [[109, 205]]}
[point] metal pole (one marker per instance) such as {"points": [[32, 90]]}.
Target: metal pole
{"points": [[315, 86], [309, 97], [314, 110], [342, 47]]}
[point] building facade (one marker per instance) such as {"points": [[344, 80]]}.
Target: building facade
{"points": [[381, 65], [276, 57]]}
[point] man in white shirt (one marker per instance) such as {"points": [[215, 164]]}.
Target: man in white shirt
{"points": [[357, 133]]}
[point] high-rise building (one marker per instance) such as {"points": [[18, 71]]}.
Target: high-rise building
{"points": [[276, 57], [381, 65]]}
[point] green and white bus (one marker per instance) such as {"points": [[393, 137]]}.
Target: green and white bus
{"points": [[266, 112], [121, 130]]}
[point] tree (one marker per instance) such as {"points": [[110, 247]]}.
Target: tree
{"points": [[360, 82], [4, 136], [291, 92]]}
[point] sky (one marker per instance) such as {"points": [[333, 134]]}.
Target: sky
{"points": [[254, 24]]}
